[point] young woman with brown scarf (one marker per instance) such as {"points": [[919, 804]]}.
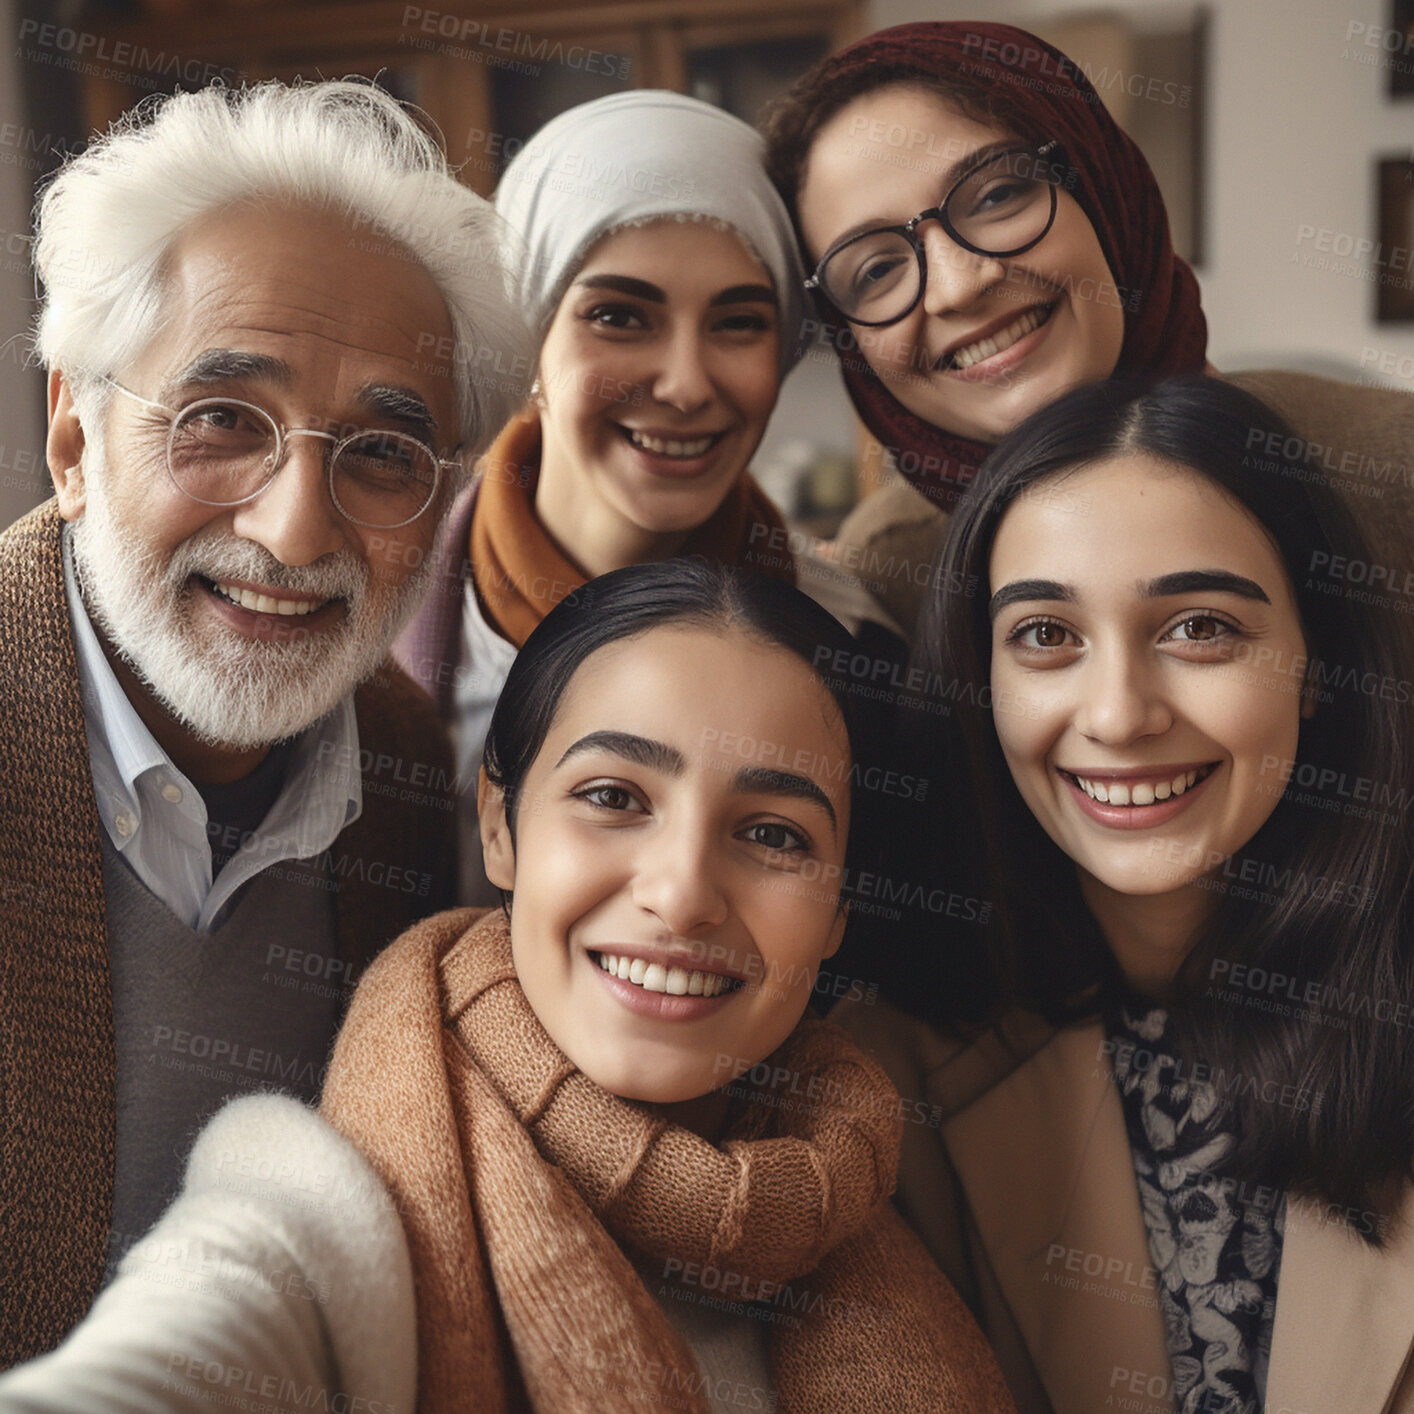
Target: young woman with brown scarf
{"points": [[660, 271], [601, 1160]]}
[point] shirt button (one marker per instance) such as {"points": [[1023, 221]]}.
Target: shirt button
{"points": [[125, 825], [172, 793]]}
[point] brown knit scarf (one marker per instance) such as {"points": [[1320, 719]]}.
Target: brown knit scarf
{"points": [[523, 1187], [521, 574]]}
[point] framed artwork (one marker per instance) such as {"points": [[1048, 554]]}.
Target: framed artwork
{"points": [[1393, 259], [1397, 55]]}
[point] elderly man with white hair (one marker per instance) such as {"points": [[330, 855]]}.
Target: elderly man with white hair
{"points": [[264, 313]]}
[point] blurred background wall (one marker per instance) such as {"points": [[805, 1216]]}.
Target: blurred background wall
{"points": [[1266, 120], [23, 479]]}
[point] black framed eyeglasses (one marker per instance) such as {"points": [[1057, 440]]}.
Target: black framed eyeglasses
{"points": [[225, 452], [1001, 207]]}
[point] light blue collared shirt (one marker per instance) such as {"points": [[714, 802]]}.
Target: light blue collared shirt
{"points": [[156, 818]]}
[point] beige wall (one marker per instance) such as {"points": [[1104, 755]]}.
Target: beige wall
{"points": [[23, 479]]}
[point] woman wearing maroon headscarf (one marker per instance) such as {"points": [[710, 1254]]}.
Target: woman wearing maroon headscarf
{"points": [[984, 237]]}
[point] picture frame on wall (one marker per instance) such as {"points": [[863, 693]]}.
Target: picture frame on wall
{"points": [[1393, 264], [1398, 57]]}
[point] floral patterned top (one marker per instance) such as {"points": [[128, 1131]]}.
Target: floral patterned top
{"points": [[1215, 1242]]}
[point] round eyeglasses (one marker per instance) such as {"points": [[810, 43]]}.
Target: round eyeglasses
{"points": [[225, 452], [1001, 207]]}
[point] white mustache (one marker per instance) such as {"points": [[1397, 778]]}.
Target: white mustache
{"points": [[227, 689], [340, 575]]}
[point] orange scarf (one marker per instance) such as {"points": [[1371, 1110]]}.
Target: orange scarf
{"points": [[519, 572], [523, 1186]]}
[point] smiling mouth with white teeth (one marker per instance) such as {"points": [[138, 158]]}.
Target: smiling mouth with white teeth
{"points": [[684, 448], [1003, 339], [655, 977], [263, 603], [1140, 792]]}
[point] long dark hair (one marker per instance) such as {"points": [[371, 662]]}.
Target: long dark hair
{"points": [[628, 602], [1313, 915]]}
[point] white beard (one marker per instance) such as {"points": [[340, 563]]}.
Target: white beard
{"points": [[226, 688]]}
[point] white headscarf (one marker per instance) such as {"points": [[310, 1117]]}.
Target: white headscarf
{"points": [[631, 158]]}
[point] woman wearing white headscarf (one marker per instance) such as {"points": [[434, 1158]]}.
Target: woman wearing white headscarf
{"points": [[661, 273]]}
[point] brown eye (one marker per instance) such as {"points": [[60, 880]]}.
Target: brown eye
{"points": [[1201, 628], [1041, 636], [610, 797], [779, 839], [614, 316]]}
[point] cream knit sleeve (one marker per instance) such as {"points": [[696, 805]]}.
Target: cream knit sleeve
{"points": [[278, 1280]]}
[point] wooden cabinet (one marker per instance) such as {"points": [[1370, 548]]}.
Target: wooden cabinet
{"points": [[485, 74]]}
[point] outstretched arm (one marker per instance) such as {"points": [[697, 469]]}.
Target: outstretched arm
{"points": [[278, 1280]]}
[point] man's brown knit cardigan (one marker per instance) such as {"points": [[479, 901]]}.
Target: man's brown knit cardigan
{"points": [[56, 1014]]}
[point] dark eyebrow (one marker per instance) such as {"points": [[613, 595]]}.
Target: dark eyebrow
{"points": [[400, 405], [759, 780], [230, 366], [745, 294], [1023, 589], [641, 750], [948, 178], [1211, 581], [624, 285], [1181, 582]]}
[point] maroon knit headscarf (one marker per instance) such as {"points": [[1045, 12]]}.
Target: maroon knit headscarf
{"points": [[1039, 94]]}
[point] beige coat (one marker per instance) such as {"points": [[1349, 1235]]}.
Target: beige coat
{"points": [[1018, 1176]]}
